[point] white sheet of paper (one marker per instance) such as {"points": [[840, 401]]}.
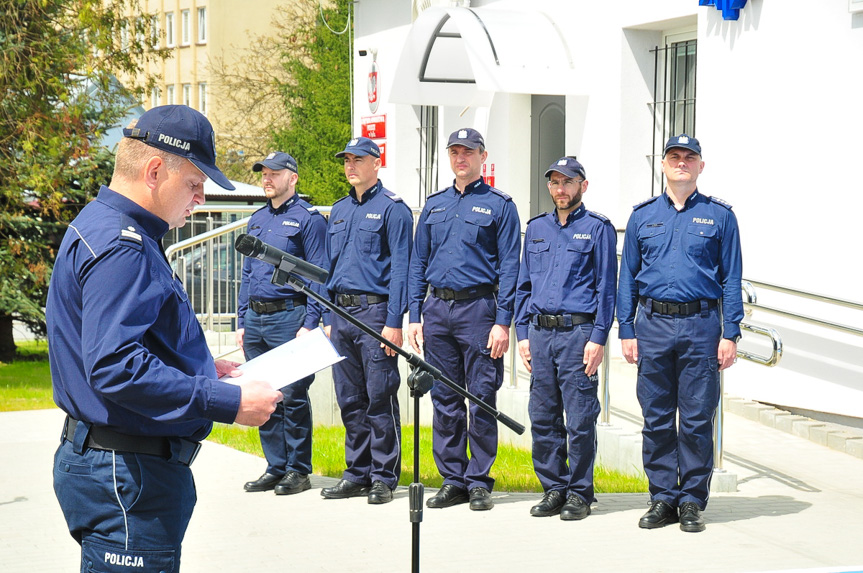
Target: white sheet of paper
{"points": [[291, 361]]}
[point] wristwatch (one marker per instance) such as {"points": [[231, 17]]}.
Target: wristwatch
{"points": [[735, 339]]}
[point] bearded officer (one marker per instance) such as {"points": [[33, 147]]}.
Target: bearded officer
{"points": [[564, 311]]}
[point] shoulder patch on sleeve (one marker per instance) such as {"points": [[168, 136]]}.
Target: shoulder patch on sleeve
{"points": [[599, 216], [130, 236], [392, 196], [645, 202], [500, 193], [719, 201]]}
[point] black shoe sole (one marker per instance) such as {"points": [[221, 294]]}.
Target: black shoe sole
{"points": [[375, 500], [449, 503], [656, 525], [573, 517], [290, 491], [364, 492], [551, 513]]}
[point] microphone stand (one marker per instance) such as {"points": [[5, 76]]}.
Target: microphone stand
{"points": [[420, 381]]}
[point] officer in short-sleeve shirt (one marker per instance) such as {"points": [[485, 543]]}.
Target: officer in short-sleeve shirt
{"points": [[270, 315], [466, 250], [679, 309], [564, 311]]}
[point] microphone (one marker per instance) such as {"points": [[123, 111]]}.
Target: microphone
{"points": [[256, 248]]}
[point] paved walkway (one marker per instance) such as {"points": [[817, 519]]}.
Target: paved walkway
{"points": [[799, 506]]}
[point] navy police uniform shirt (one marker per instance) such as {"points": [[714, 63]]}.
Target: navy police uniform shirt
{"points": [[681, 256], [296, 228], [369, 246], [570, 268], [125, 348], [465, 240]]}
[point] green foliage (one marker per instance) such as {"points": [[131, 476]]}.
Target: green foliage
{"points": [[59, 95], [317, 98]]}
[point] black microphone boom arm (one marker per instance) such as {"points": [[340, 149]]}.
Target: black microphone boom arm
{"points": [[415, 361]]}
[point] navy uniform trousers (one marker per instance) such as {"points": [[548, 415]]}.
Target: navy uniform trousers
{"points": [[367, 383], [558, 385], [678, 389], [128, 511], [455, 335], [286, 437]]}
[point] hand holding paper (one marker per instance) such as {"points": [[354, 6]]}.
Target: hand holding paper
{"points": [[291, 361]]}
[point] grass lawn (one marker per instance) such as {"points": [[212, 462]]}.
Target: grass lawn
{"points": [[26, 385]]}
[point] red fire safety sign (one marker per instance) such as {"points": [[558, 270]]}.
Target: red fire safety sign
{"points": [[374, 126]]}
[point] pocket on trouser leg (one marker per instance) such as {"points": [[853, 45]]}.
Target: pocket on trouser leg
{"points": [[103, 558]]}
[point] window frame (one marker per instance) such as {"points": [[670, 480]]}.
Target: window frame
{"points": [[185, 27], [202, 97], [202, 24], [170, 40]]}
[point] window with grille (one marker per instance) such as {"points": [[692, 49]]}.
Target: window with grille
{"points": [[673, 97], [428, 160]]}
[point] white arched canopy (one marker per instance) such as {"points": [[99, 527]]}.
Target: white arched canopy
{"points": [[463, 56]]}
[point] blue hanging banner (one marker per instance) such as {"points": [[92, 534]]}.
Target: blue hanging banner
{"points": [[730, 8]]}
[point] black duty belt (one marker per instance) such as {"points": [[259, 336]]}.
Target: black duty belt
{"points": [[560, 320], [681, 308], [466, 294], [347, 300], [180, 449], [271, 306]]}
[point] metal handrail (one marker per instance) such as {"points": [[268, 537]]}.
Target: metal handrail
{"points": [[204, 237]]}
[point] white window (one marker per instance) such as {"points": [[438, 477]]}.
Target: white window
{"points": [[155, 96], [169, 29], [187, 94], [170, 96], [202, 25], [154, 31], [139, 31], [202, 98], [187, 24]]}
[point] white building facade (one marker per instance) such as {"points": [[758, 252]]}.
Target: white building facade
{"points": [[775, 97]]}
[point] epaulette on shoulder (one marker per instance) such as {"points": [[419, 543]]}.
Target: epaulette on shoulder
{"points": [[540, 216], [599, 216], [342, 199], [500, 193], [131, 237], [719, 201], [645, 202], [436, 193], [392, 196]]}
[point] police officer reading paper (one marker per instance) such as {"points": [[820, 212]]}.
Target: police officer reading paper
{"points": [[269, 315], [466, 249], [679, 309], [564, 310], [129, 362], [369, 244]]}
